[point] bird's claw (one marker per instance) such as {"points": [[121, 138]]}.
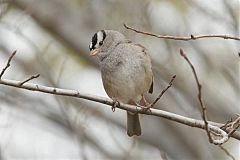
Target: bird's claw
{"points": [[145, 107], [115, 104]]}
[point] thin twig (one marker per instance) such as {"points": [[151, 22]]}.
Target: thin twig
{"points": [[8, 64], [30, 78], [188, 38], [234, 125], [199, 86], [227, 124], [163, 91], [227, 152]]}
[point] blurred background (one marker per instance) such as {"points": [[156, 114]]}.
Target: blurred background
{"points": [[52, 37]]}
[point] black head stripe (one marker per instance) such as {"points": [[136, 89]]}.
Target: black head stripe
{"points": [[97, 40], [104, 34], [94, 42]]}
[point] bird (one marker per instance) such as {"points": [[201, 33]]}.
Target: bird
{"points": [[126, 72]]}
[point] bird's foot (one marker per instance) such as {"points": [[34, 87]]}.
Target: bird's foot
{"points": [[115, 104], [145, 107]]}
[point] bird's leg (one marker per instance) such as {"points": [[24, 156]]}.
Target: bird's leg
{"points": [[115, 103], [145, 102], [146, 105]]}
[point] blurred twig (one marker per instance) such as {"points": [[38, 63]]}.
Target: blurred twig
{"points": [[227, 152], [188, 38], [47, 19]]}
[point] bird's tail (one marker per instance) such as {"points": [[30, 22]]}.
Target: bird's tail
{"points": [[133, 124]]}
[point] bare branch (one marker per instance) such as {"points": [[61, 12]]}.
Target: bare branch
{"points": [[235, 125], [199, 86], [232, 125], [30, 78], [155, 112], [163, 91], [188, 38], [212, 126], [8, 64]]}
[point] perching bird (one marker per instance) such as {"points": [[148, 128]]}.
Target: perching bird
{"points": [[126, 71]]}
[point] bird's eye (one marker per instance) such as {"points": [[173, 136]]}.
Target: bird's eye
{"points": [[100, 43]]}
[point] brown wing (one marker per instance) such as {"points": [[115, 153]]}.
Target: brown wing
{"points": [[151, 87], [144, 51]]}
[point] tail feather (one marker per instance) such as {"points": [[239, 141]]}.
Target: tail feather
{"points": [[133, 124]]}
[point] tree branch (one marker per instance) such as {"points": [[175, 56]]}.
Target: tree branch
{"points": [[156, 112], [163, 91], [8, 64], [199, 86], [232, 125], [181, 38], [212, 126], [29, 79], [227, 152]]}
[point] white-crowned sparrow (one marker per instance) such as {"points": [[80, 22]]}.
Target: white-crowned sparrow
{"points": [[126, 71]]}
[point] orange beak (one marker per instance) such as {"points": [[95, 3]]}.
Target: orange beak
{"points": [[94, 52]]}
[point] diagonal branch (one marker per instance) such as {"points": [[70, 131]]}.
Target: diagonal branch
{"points": [[227, 152], [199, 86], [181, 38], [163, 91], [29, 79], [232, 125], [8, 64]]}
